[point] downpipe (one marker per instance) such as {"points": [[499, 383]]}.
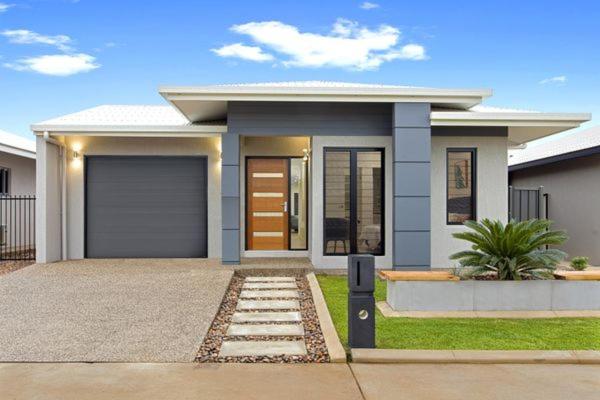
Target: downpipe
{"points": [[63, 191]]}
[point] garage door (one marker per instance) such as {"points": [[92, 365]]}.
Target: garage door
{"points": [[146, 207]]}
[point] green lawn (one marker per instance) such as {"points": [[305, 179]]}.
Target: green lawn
{"points": [[463, 333]]}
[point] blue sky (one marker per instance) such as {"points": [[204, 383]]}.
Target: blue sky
{"points": [[58, 57]]}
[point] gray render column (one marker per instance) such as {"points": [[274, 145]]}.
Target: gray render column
{"points": [[230, 198], [412, 192]]}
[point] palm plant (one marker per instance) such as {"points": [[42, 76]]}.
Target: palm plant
{"points": [[513, 251]]}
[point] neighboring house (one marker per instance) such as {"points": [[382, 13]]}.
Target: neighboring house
{"points": [[311, 169], [569, 170], [17, 179]]}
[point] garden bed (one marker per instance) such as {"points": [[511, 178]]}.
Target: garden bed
{"points": [[482, 295]]}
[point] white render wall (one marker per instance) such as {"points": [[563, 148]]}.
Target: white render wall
{"points": [[47, 205], [492, 190], [208, 146]]}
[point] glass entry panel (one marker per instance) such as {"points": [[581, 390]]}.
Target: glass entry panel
{"points": [[298, 204], [368, 202], [354, 206], [337, 202]]}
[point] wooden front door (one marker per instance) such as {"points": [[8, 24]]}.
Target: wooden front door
{"points": [[267, 204]]}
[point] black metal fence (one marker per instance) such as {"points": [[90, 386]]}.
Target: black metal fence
{"points": [[17, 228], [524, 204]]}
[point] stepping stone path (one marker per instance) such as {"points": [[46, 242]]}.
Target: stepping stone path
{"points": [[258, 313]]}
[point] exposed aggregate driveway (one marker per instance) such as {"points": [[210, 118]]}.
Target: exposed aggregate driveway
{"points": [[109, 310]]}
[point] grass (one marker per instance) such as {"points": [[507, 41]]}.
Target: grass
{"points": [[463, 333]]}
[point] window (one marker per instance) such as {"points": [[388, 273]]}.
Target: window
{"points": [[460, 185], [353, 199], [4, 180]]}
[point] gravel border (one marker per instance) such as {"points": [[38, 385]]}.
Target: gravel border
{"points": [[11, 266], [313, 337]]}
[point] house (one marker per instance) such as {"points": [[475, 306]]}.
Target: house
{"points": [[295, 169], [17, 188], [569, 170]]}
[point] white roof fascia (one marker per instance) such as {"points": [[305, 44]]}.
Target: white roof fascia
{"points": [[16, 151], [469, 97], [134, 130], [451, 118]]}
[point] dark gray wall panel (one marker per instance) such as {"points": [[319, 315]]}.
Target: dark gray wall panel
{"points": [[230, 198], [501, 131], [412, 115], [307, 118], [412, 144], [412, 179], [412, 185], [146, 207], [415, 214], [230, 212], [413, 249]]}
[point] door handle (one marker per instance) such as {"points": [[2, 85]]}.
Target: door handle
{"points": [[284, 204]]}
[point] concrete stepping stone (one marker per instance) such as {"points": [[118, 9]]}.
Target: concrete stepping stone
{"points": [[290, 316], [265, 330], [270, 279], [269, 294], [268, 305], [270, 285], [262, 348]]}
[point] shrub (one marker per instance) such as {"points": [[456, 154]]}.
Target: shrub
{"points": [[513, 251], [579, 263]]}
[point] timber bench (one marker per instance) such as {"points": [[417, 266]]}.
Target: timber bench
{"points": [[417, 276], [578, 275]]}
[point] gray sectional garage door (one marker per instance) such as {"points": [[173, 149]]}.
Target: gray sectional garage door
{"points": [[146, 207]]}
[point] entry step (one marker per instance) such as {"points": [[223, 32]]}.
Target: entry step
{"points": [[291, 316], [270, 285], [268, 305], [269, 294], [270, 279], [265, 330], [262, 348]]}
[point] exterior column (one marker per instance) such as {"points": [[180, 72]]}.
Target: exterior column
{"points": [[412, 191], [230, 198], [47, 204]]}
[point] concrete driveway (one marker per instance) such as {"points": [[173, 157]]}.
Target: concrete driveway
{"points": [[109, 310]]}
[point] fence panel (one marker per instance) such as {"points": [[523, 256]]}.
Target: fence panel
{"points": [[17, 227], [525, 203]]}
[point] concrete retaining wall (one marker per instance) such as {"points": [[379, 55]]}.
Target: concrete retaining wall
{"points": [[493, 295]]}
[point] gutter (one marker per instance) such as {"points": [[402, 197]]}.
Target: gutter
{"points": [[63, 192]]}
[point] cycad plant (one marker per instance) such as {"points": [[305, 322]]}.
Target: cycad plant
{"points": [[513, 251]]}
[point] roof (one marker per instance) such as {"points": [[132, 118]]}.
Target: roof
{"points": [[134, 118], [573, 145], [202, 110], [200, 103], [17, 145]]}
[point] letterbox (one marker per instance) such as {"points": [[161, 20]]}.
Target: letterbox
{"points": [[361, 302], [361, 273]]}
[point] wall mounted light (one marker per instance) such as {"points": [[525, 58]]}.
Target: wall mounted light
{"points": [[76, 162]]}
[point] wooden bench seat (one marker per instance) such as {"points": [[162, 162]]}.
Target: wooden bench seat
{"points": [[578, 275], [417, 276]]}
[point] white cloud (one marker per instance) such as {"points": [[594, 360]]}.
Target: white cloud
{"points": [[348, 45], [558, 80], [239, 50], [24, 36], [367, 5], [4, 7], [56, 65]]}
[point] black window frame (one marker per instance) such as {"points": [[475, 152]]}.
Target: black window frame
{"points": [[5, 182], [473, 151], [353, 238]]}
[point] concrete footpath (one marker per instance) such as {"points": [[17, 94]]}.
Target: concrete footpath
{"points": [[301, 381]]}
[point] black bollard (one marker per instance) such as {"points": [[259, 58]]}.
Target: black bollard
{"points": [[361, 302]]}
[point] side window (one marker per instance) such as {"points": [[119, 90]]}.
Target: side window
{"points": [[4, 181], [460, 185]]}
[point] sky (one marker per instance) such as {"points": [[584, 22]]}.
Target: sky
{"points": [[62, 56]]}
